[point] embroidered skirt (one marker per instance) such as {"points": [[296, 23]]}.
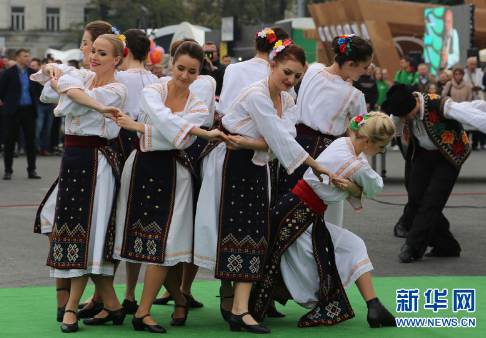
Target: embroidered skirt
{"points": [[155, 211], [123, 144], [232, 218], [290, 219], [83, 230]]}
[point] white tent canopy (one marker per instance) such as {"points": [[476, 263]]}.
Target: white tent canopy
{"points": [[65, 55], [186, 30]]}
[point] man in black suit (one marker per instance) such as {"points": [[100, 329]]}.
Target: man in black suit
{"points": [[20, 100]]}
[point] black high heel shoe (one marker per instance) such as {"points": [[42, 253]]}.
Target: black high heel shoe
{"points": [[195, 304], [162, 301], [379, 315], [236, 323], [139, 325], [90, 313], [224, 313], [117, 317], [60, 310], [130, 307], [180, 321], [68, 328]]}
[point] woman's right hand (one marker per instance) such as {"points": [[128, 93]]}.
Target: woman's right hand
{"points": [[215, 135], [126, 122], [318, 170], [52, 72]]}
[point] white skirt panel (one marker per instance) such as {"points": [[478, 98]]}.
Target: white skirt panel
{"points": [[103, 199], [48, 211], [299, 268]]}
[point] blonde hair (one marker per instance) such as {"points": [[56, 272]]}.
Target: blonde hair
{"points": [[118, 47], [378, 128], [373, 76]]}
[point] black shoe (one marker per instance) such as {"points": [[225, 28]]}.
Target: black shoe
{"points": [[117, 317], [180, 321], [378, 315], [90, 313], [68, 328], [139, 325], [273, 312], [61, 310], [81, 305], [195, 304], [7, 175], [236, 323], [438, 253], [162, 301], [224, 313], [407, 254], [33, 174], [130, 307], [400, 230]]}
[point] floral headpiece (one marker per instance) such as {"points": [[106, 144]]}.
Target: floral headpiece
{"points": [[343, 42], [267, 33], [358, 121], [122, 37], [279, 46]]}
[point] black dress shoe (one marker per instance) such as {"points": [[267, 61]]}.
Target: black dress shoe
{"points": [[400, 230], [236, 323], [195, 304], [90, 313], [130, 307], [61, 310], [274, 313], [439, 253], [224, 313], [139, 325], [7, 175], [180, 321], [82, 305], [407, 254], [162, 301], [378, 315], [117, 317], [33, 174], [68, 328]]}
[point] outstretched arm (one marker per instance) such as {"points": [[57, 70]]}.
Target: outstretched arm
{"points": [[80, 97]]}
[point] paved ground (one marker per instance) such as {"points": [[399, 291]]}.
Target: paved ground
{"points": [[23, 253]]}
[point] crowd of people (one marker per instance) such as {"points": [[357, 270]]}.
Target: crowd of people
{"points": [[156, 171]]}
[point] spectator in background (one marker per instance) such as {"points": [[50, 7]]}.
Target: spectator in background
{"points": [[19, 110], [11, 63], [158, 70], [149, 66], [450, 43], [227, 60], [384, 75], [474, 77], [59, 62], [431, 88], [424, 78], [5, 61], [45, 116], [212, 66], [73, 63], [458, 89], [383, 86], [443, 78], [368, 87], [407, 75]]}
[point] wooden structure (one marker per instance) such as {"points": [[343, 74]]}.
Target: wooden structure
{"points": [[381, 22]]}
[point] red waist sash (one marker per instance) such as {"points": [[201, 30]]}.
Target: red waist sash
{"points": [[307, 195], [302, 129], [158, 153], [74, 141]]}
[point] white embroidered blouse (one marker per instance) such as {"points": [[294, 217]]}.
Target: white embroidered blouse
{"points": [[164, 129], [340, 158], [253, 116], [326, 102], [84, 121]]}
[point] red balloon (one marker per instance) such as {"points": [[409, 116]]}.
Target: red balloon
{"points": [[156, 56]]}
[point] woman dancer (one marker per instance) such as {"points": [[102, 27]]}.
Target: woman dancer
{"points": [[154, 218], [232, 223], [89, 180], [315, 271], [326, 105], [204, 87], [45, 214]]}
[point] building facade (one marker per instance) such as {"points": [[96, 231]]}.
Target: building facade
{"points": [[39, 24]]}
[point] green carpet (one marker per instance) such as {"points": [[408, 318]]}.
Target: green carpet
{"points": [[31, 312]]}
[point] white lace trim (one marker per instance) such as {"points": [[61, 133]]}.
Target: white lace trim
{"points": [[71, 273], [358, 273], [166, 263]]}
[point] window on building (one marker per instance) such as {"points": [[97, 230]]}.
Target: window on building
{"points": [[18, 18], [52, 19]]}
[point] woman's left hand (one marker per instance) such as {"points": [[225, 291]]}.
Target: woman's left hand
{"points": [[110, 112], [54, 83], [236, 142], [344, 184]]}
